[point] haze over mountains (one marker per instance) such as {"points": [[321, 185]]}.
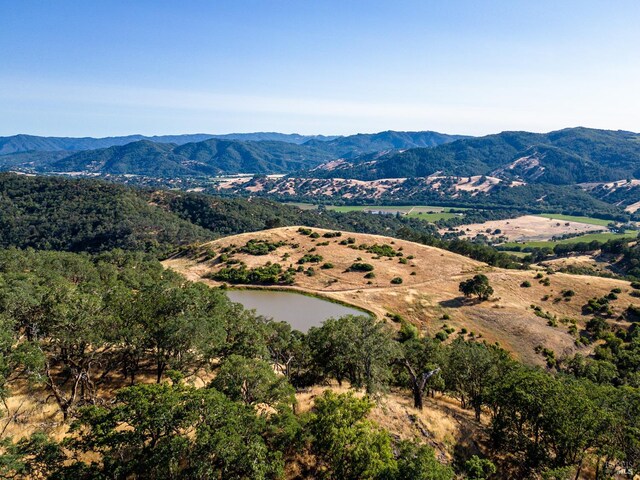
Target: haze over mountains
{"points": [[563, 157], [195, 155], [28, 143]]}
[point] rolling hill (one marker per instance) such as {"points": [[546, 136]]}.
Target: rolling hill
{"points": [[200, 154], [429, 289], [210, 157], [568, 156], [30, 143], [84, 215], [56, 213], [363, 143]]}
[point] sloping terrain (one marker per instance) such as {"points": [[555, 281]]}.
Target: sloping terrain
{"points": [[53, 213], [199, 154], [385, 188], [33, 143], [211, 157], [428, 295], [363, 143], [566, 156]]}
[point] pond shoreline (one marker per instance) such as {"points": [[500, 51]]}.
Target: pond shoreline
{"points": [[299, 291], [300, 310]]}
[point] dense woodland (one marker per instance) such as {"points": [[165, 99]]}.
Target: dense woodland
{"points": [[92, 216], [114, 340], [158, 377]]}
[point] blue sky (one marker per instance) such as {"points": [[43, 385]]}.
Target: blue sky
{"points": [[98, 68]]}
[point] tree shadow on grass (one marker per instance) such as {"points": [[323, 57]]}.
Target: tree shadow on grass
{"points": [[457, 302]]}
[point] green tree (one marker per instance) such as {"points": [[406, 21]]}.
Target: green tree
{"points": [[33, 457], [478, 286], [348, 446], [471, 371], [357, 348], [477, 468], [253, 382], [421, 360], [231, 441], [174, 431], [418, 462]]}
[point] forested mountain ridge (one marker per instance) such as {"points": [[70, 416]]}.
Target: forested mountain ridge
{"points": [[362, 143], [568, 156], [563, 157], [29, 143], [210, 157], [178, 156], [84, 215], [55, 213]]}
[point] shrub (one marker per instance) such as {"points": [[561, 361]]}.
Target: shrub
{"points": [[395, 317], [327, 266], [360, 267], [525, 284], [442, 336], [380, 250], [396, 280], [268, 274], [260, 247], [310, 258]]}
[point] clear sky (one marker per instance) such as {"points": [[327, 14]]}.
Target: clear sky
{"points": [[110, 67]]}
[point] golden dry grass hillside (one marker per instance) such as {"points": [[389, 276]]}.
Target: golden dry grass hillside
{"points": [[429, 293]]}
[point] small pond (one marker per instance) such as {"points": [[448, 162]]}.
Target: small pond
{"points": [[301, 311]]}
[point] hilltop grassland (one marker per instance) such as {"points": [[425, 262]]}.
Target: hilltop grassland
{"points": [[518, 318]]}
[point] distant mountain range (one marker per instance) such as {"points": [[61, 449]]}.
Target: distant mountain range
{"points": [[30, 143], [563, 157], [211, 157], [573, 155], [191, 155]]}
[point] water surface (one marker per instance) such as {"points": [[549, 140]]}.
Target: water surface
{"points": [[300, 311]]}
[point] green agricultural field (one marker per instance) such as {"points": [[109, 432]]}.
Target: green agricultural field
{"points": [[427, 213], [589, 237], [573, 218], [433, 217]]}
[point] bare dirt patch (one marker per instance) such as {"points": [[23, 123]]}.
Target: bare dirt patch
{"points": [[527, 228]]}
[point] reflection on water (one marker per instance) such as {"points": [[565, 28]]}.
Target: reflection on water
{"points": [[300, 311]]}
